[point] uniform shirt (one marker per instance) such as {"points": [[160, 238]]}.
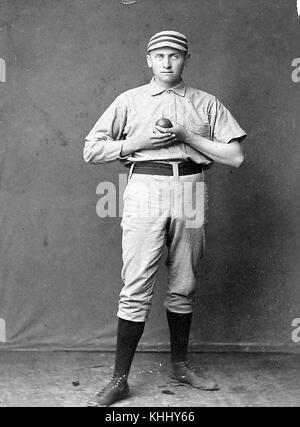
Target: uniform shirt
{"points": [[138, 109]]}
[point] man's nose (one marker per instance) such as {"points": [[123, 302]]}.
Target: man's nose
{"points": [[167, 63]]}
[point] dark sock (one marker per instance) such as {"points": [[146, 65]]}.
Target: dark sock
{"points": [[128, 336], [179, 326]]}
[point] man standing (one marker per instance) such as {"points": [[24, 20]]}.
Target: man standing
{"points": [[166, 175]]}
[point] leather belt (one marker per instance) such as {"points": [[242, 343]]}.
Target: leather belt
{"points": [[155, 168]]}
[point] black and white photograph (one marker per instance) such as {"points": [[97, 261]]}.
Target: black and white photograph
{"points": [[149, 206]]}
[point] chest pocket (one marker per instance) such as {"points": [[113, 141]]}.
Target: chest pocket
{"points": [[202, 129]]}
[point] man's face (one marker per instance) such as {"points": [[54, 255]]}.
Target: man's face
{"points": [[167, 65]]}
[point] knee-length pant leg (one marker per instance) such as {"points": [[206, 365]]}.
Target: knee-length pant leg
{"points": [[144, 226], [186, 242], [186, 248]]}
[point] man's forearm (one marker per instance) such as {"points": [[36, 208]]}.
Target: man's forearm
{"points": [[102, 151], [228, 154], [129, 146]]}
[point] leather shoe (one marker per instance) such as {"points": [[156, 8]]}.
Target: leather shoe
{"points": [[184, 373], [117, 389]]}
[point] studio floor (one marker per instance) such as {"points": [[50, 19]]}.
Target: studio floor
{"points": [[69, 379]]}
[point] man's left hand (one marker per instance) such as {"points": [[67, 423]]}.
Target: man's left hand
{"points": [[178, 130]]}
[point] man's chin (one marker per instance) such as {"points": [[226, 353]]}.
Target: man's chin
{"points": [[168, 78], [167, 75]]}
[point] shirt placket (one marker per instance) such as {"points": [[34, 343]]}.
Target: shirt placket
{"points": [[169, 105], [169, 111]]}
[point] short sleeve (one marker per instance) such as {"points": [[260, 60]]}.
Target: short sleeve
{"points": [[224, 126], [111, 124]]}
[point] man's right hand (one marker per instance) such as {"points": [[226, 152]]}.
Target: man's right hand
{"points": [[157, 139], [152, 140]]}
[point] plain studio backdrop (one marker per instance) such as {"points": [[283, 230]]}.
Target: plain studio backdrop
{"points": [[60, 263]]}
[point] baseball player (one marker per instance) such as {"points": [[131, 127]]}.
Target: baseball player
{"points": [[165, 180]]}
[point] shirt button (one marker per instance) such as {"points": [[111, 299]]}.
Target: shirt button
{"points": [[168, 91]]}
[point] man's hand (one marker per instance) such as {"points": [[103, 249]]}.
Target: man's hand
{"points": [[157, 139], [178, 130], [149, 140]]}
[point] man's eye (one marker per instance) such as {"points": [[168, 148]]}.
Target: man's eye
{"points": [[175, 56], [159, 56]]}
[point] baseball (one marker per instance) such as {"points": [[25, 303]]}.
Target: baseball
{"points": [[164, 123]]}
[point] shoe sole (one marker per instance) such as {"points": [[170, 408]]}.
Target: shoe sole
{"points": [[98, 405], [182, 381]]}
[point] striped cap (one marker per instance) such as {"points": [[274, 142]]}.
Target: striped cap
{"points": [[168, 39]]}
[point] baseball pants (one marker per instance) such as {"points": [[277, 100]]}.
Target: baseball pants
{"points": [[161, 210]]}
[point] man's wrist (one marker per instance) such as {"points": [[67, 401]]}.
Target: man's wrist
{"points": [[129, 146], [189, 138]]}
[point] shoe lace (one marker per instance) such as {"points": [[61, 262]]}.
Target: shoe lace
{"points": [[114, 382], [186, 367]]}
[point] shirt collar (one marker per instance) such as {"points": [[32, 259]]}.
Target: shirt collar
{"points": [[155, 89]]}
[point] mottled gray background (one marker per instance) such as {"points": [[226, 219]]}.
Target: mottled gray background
{"points": [[59, 262]]}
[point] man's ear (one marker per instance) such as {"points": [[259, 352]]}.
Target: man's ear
{"points": [[187, 59], [149, 62]]}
